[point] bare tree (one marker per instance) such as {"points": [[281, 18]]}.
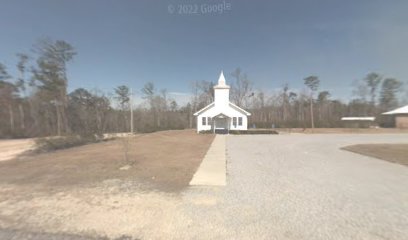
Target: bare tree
{"points": [[312, 82], [322, 100], [149, 93], [241, 88], [373, 80], [7, 94], [158, 104], [389, 91], [285, 102], [202, 94], [122, 95], [192, 107], [22, 85]]}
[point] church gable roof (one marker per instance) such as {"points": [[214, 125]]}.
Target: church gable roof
{"points": [[221, 101], [204, 109], [220, 115], [231, 105], [239, 109]]}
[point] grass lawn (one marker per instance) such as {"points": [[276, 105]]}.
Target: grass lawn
{"points": [[396, 153], [341, 130], [163, 160]]}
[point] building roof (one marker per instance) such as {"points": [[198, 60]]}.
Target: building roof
{"points": [[358, 118], [220, 114], [239, 109], [230, 104], [226, 104], [204, 109], [401, 110]]}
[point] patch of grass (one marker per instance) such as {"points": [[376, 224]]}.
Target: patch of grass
{"points": [[396, 153], [342, 130], [163, 161]]}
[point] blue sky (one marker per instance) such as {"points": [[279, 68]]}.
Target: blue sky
{"points": [[274, 42]]}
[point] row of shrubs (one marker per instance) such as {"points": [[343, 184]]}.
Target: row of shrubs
{"points": [[48, 144], [244, 132], [253, 131]]}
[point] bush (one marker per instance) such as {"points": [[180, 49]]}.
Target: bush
{"points": [[55, 143], [243, 132], [206, 132], [253, 131]]}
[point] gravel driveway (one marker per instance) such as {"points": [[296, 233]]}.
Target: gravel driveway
{"points": [[291, 186], [305, 187]]}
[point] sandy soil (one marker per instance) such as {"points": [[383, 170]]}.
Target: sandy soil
{"points": [[163, 160], [291, 186], [10, 149], [397, 153], [84, 191]]}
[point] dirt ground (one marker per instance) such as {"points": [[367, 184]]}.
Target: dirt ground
{"points": [[397, 153], [273, 191], [164, 160], [341, 130], [10, 149]]}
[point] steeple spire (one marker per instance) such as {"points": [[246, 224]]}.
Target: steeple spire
{"points": [[221, 82], [221, 79]]}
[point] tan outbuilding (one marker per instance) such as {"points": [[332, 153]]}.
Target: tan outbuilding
{"points": [[400, 115]]}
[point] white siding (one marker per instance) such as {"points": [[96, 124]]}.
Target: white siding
{"points": [[244, 123], [200, 126], [222, 106], [221, 97], [229, 111]]}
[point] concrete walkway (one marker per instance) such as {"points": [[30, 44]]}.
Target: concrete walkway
{"points": [[212, 171]]}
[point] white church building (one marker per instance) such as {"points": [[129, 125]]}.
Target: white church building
{"points": [[221, 115]]}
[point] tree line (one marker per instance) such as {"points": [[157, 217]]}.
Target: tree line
{"points": [[37, 103], [314, 107]]}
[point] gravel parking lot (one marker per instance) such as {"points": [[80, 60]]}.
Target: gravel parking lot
{"points": [[304, 187], [292, 186]]}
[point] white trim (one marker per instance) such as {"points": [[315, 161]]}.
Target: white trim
{"points": [[204, 109], [240, 109], [219, 113]]}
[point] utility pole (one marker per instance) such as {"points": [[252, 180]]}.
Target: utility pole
{"points": [[311, 110], [131, 111]]}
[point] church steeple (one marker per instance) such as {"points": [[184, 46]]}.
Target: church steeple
{"points": [[221, 92], [221, 82], [221, 79]]}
